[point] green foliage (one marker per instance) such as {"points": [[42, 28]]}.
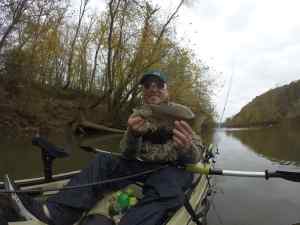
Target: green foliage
{"points": [[271, 107]]}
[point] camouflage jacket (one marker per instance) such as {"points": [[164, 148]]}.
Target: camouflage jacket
{"points": [[156, 144]]}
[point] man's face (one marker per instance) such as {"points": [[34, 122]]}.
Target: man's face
{"points": [[155, 91]]}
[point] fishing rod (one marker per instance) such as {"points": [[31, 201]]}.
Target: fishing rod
{"points": [[199, 168], [227, 95], [93, 150], [87, 149], [207, 169], [97, 150], [38, 191]]}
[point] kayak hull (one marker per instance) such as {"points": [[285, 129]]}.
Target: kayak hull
{"points": [[197, 198]]}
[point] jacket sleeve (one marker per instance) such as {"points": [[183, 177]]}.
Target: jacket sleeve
{"points": [[130, 145], [194, 154]]}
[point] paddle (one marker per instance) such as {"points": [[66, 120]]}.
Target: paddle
{"points": [[208, 170], [205, 169]]}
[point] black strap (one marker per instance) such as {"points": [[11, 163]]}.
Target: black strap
{"points": [[191, 211]]}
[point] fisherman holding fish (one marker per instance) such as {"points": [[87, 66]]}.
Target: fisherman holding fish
{"points": [[158, 133]]}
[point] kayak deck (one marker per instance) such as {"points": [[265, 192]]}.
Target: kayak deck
{"points": [[197, 196]]}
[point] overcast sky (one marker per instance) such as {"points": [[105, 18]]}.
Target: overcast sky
{"points": [[257, 42]]}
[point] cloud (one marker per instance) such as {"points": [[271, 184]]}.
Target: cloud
{"points": [[239, 20], [207, 9]]}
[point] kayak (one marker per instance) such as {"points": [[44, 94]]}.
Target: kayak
{"points": [[40, 182], [197, 197]]}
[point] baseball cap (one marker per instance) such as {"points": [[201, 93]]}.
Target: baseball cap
{"points": [[156, 73]]}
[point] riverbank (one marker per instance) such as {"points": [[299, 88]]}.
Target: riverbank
{"points": [[292, 121], [26, 109]]}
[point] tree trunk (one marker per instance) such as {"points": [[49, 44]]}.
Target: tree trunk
{"points": [[83, 4]]}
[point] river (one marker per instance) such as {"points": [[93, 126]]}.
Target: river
{"points": [[236, 201], [249, 201], [20, 159]]}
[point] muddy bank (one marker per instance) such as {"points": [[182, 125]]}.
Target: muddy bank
{"points": [[26, 109]]}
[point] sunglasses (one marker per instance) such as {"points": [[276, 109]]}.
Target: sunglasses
{"points": [[158, 83]]}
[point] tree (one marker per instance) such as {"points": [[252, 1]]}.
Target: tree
{"points": [[103, 54], [12, 13], [82, 11]]}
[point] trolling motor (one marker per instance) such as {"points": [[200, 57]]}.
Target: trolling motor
{"points": [[49, 152]]}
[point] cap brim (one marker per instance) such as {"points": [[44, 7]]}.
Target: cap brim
{"points": [[146, 76]]}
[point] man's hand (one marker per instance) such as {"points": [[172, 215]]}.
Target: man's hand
{"points": [[135, 125], [182, 135]]}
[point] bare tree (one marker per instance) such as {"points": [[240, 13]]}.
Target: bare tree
{"points": [[99, 39], [82, 10], [15, 11]]}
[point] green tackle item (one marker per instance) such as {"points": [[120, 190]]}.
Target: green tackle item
{"points": [[132, 201], [130, 191], [122, 201]]}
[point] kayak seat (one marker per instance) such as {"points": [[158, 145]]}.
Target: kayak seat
{"points": [[51, 150]]}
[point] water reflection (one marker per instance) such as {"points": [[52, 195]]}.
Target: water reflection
{"points": [[255, 200], [20, 159], [106, 142], [280, 144]]}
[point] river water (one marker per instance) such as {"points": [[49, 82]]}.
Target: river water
{"points": [[236, 201], [249, 201], [20, 159]]}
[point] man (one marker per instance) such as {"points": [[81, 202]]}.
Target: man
{"points": [[163, 190], [155, 91]]}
